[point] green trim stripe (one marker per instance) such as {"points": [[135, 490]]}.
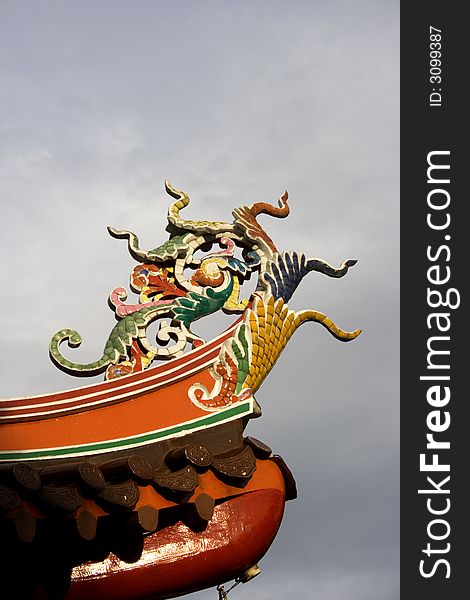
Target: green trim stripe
{"points": [[129, 442]]}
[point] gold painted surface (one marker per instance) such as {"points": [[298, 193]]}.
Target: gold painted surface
{"points": [[272, 324]]}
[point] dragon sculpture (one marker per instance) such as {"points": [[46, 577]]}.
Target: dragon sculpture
{"points": [[144, 485], [168, 295]]}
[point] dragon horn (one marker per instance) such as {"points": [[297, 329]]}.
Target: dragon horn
{"points": [[199, 227], [245, 219], [132, 240], [269, 209]]}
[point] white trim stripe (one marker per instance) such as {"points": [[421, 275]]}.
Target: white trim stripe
{"points": [[234, 412]]}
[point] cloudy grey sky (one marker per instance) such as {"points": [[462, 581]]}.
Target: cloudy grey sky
{"points": [[234, 102]]}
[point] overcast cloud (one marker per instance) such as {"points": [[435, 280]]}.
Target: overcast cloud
{"points": [[234, 102]]}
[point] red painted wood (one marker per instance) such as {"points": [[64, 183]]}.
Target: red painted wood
{"points": [[177, 561]]}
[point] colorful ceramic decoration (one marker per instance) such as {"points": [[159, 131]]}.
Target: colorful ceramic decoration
{"points": [[143, 486]]}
